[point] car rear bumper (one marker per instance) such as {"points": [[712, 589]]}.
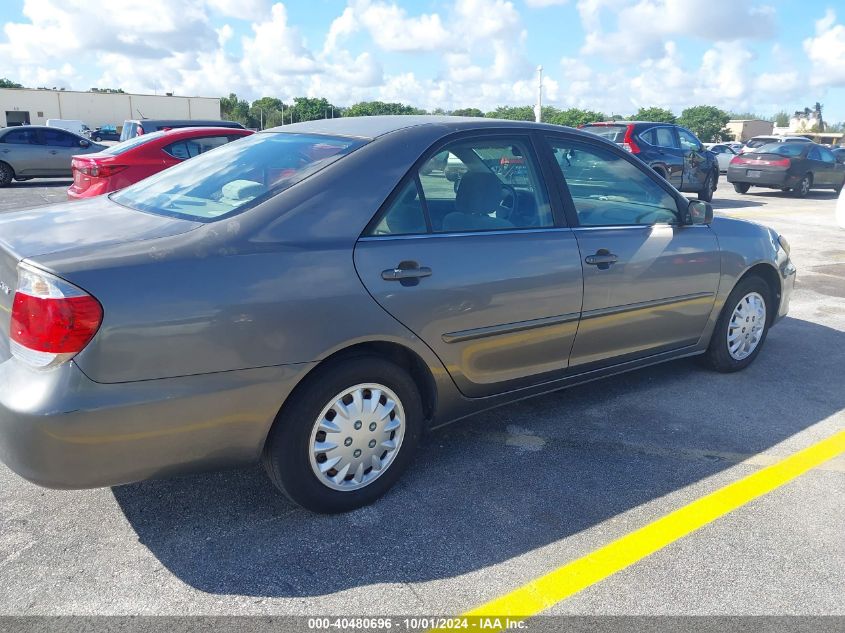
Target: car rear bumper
{"points": [[767, 178], [61, 430]]}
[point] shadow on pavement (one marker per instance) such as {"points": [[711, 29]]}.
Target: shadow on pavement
{"points": [[728, 203], [33, 184], [500, 484]]}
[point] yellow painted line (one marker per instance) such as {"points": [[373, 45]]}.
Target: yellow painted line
{"points": [[546, 591]]}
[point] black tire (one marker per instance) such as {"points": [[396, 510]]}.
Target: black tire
{"points": [[97, 139], [706, 194], [286, 453], [6, 174], [741, 187], [718, 356], [838, 188], [803, 188]]}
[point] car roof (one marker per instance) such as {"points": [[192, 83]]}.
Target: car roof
{"points": [[604, 123], [36, 127], [371, 127]]}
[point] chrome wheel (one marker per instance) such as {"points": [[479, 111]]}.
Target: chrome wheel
{"points": [[356, 437], [804, 186], [746, 326]]}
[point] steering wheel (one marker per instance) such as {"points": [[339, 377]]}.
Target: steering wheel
{"points": [[509, 204]]}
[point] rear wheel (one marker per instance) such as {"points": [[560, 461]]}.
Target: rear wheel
{"points": [[741, 187], [6, 174], [706, 193], [742, 326], [98, 139], [803, 187], [346, 436]]}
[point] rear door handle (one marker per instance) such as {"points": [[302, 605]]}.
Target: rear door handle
{"points": [[398, 274]]}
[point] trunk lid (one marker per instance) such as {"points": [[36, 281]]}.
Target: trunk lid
{"points": [[82, 225]]}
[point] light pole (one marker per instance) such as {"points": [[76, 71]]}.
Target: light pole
{"points": [[538, 109]]}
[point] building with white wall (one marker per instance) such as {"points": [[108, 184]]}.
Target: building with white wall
{"points": [[22, 106]]}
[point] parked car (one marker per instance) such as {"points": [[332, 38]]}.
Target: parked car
{"points": [[309, 297], [758, 141], [671, 150], [137, 127], [37, 151], [724, 153], [104, 133], [71, 125], [839, 153], [796, 167], [128, 162]]}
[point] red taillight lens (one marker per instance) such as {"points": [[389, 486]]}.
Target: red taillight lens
{"points": [[778, 162], [52, 320], [739, 160], [628, 142], [95, 170]]}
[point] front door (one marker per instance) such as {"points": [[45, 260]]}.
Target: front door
{"points": [[696, 164], [649, 283], [468, 256], [59, 147]]}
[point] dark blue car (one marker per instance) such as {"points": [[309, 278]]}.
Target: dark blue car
{"points": [[671, 150], [105, 133]]}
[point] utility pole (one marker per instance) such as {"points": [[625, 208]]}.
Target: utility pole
{"points": [[538, 109]]}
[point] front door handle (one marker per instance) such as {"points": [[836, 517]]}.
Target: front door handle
{"points": [[603, 259], [399, 273], [52, 151]]}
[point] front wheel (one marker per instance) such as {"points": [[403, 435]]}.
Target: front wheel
{"points": [[346, 435], [97, 139], [706, 193], [742, 326], [741, 187]]}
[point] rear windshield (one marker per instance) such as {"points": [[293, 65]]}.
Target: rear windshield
{"points": [[759, 142], [123, 146], [782, 149], [615, 133], [236, 176]]}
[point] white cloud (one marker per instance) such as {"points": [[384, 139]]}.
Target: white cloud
{"points": [[541, 4], [826, 51], [393, 30], [242, 9]]}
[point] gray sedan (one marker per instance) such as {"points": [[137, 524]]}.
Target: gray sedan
{"points": [[317, 296], [37, 151]]}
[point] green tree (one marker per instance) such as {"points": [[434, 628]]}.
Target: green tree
{"points": [[658, 115], [234, 109], [707, 122], [573, 117], [513, 113], [746, 116], [268, 111], [376, 108], [467, 112], [8, 83], [781, 119], [311, 109]]}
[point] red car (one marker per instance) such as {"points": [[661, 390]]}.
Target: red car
{"points": [[130, 161]]}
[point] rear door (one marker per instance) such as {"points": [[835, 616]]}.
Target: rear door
{"points": [[696, 163], [478, 267], [649, 282], [824, 166], [668, 154], [20, 149]]}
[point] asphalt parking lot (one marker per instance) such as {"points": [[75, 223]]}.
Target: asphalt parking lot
{"points": [[499, 499]]}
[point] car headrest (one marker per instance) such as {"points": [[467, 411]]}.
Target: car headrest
{"points": [[242, 190], [478, 193]]}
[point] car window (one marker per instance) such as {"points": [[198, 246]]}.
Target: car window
{"points": [[650, 136], [405, 215], [195, 146], [784, 149], [665, 137], [827, 155], [20, 137], [484, 185], [135, 141], [235, 177], [56, 138], [688, 140], [814, 154], [609, 190]]}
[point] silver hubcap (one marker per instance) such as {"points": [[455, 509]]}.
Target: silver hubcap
{"points": [[357, 436], [805, 185], [746, 326]]}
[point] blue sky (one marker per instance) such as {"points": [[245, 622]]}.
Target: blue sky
{"points": [[607, 55]]}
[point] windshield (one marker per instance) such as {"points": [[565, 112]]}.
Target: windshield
{"points": [[235, 176], [759, 142], [615, 133], [123, 146], [782, 149]]}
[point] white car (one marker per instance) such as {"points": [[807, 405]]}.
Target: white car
{"points": [[724, 154]]}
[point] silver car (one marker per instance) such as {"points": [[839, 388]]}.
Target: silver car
{"points": [[37, 151], [319, 295]]}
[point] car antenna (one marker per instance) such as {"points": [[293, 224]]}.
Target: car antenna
{"points": [[140, 114]]}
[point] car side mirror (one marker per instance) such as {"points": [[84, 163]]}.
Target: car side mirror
{"points": [[84, 143], [699, 212]]}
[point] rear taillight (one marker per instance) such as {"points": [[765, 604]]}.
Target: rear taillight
{"points": [[756, 161], [52, 320], [94, 170], [628, 142], [739, 160]]}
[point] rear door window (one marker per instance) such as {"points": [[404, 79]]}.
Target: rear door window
{"points": [[20, 137], [666, 137], [190, 148], [57, 138]]}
